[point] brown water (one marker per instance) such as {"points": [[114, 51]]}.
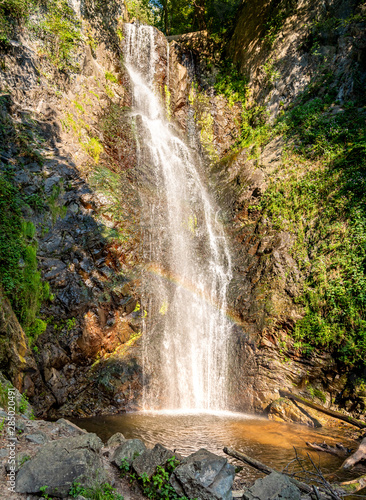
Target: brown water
{"points": [[270, 442]]}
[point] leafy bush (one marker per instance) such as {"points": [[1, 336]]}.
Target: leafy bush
{"points": [[158, 487], [19, 277], [231, 83]]}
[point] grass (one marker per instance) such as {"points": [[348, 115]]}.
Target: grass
{"points": [[98, 492]]}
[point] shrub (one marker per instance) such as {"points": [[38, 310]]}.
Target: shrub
{"points": [[19, 277]]}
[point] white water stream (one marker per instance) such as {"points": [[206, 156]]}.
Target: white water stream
{"points": [[188, 264]]}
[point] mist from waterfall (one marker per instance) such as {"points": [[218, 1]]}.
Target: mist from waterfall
{"points": [[186, 255]]}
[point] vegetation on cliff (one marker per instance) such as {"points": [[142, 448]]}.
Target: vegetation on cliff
{"points": [[19, 277], [175, 17]]}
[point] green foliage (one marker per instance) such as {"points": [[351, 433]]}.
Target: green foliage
{"points": [[141, 10], [278, 12], [316, 393], [124, 466], [178, 16], [323, 205], [53, 203], [12, 13], [23, 404], [43, 490], [4, 393], [158, 487], [19, 277], [98, 492], [94, 148], [70, 324], [231, 83], [111, 77], [60, 31], [271, 73], [24, 459]]}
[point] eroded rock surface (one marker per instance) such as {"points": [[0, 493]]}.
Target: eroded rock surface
{"points": [[204, 475], [273, 487], [59, 464]]}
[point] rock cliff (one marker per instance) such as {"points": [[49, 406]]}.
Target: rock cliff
{"points": [[69, 152]]}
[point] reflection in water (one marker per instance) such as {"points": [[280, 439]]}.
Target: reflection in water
{"points": [[270, 442]]}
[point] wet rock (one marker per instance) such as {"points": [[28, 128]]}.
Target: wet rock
{"points": [[204, 475], [150, 459], [129, 450], [283, 410], [59, 463], [273, 487]]}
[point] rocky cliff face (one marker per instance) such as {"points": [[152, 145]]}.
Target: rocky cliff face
{"points": [[294, 56], [79, 185], [76, 187]]}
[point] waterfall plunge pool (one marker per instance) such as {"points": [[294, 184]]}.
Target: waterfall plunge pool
{"points": [[270, 442]]}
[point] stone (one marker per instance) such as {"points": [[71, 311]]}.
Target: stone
{"points": [[50, 182], [115, 440], [276, 486], [204, 475], [59, 463], [69, 426], [37, 438], [150, 459], [283, 410], [129, 450], [20, 459]]}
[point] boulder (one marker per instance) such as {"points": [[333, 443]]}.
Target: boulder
{"points": [[68, 426], [150, 459], [115, 440], [204, 475], [129, 450], [284, 410], [59, 463], [37, 438], [276, 486]]}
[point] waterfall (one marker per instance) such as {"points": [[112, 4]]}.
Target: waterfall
{"points": [[186, 254]]}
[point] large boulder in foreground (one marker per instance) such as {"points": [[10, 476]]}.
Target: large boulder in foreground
{"points": [[148, 461], [59, 463], [276, 486], [204, 475], [129, 450]]}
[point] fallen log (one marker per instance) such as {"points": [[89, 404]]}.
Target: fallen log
{"points": [[338, 450], [352, 486], [264, 468], [335, 414], [357, 456]]}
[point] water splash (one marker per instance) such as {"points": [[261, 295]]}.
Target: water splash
{"points": [[187, 332]]}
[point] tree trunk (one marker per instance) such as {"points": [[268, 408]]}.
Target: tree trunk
{"points": [[352, 486], [357, 456], [331, 413], [339, 450]]}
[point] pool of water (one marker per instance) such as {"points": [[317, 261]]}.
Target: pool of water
{"points": [[270, 442]]}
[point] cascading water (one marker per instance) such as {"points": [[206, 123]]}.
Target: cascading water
{"points": [[188, 265]]}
